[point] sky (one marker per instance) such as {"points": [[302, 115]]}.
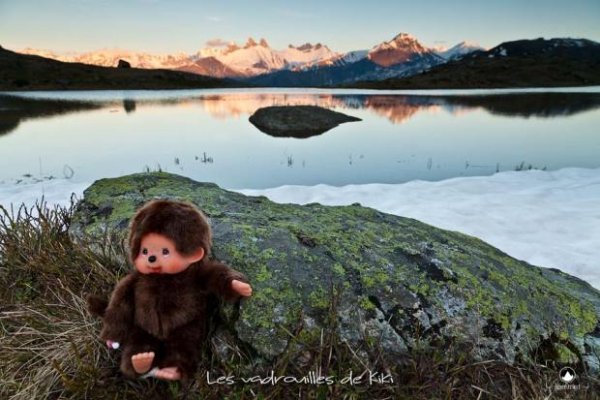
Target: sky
{"points": [[168, 26]]}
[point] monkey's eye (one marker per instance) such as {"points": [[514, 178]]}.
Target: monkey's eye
{"points": [[145, 251], [165, 252]]}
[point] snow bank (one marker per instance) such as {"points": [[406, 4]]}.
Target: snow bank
{"points": [[53, 192], [550, 219]]}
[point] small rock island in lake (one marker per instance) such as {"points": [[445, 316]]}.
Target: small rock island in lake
{"points": [[297, 121]]}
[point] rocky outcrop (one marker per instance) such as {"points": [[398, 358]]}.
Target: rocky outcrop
{"points": [[297, 121], [373, 277], [123, 64]]}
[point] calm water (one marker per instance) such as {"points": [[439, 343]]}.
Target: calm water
{"points": [[206, 135]]}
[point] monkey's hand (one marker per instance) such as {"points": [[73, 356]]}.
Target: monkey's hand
{"points": [[242, 288]]}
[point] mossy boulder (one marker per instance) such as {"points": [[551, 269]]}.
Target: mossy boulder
{"points": [[297, 121], [375, 277]]}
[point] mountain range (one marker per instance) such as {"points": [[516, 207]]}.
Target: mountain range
{"points": [[256, 58], [400, 63], [521, 63], [30, 72], [252, 58]]}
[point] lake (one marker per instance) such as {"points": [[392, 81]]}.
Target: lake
{"points": [[206, 135]]}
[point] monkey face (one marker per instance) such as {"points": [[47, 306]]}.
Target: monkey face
{"points": [[158, 255]]}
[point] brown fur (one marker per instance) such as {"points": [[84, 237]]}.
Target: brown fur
{"points": [[181, 222], [167, 314]]}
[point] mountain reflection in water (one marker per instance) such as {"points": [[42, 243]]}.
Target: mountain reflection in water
{"points": [[402, 137], [397, 109]]}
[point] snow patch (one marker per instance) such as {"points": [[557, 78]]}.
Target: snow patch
{"points": [[550, 219]]}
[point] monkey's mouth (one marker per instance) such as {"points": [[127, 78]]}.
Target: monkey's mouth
{"points": [[154, 270]]}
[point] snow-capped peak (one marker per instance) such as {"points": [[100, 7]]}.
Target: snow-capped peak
{"points": [[459, 50], [400, 49], [111, 57], [306, 47], [307, 55], [347, 58], [403, 36], [208, 52], [402, 40], [43, 53], [250, 43], [255, 58]]}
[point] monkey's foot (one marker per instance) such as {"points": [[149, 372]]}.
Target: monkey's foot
{"points": [[167, 374], [142, 362]]}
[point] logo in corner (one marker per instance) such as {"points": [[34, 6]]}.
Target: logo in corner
{"points": [[567, 375]]}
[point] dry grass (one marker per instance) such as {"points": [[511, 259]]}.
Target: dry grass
{"points": [[49, 347]]}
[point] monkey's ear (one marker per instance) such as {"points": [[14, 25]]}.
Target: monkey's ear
{"points": [[196, 256]]}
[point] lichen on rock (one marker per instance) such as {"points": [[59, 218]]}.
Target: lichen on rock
{"points": [[372, 276]]}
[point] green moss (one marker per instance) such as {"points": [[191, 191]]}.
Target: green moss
{"points": [[263, 304], [368, 281], [338, 269], [263, 274], [319, 299], [565, 356], [380, 276], [366, 304]]}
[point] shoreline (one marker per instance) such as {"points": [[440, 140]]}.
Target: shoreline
{"points": [[324, 89]]}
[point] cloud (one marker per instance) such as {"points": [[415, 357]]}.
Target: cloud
{"points": [[217, 42], [213, 19]]}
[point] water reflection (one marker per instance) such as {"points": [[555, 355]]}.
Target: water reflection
{"points": [[542, 105], [206, 136], [14, 110], [397, 109], [129, 105], [400, 108]]}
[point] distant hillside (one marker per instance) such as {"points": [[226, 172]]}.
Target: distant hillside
{"points": [[29, 72], [522, 63]]}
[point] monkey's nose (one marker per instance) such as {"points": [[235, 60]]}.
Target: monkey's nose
{"points": [[152, 259]]}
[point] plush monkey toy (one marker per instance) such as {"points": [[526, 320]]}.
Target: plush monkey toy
{"points": [[158, 314]]}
